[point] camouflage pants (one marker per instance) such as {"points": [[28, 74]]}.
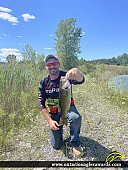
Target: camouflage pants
{"points": [[74, 120]]}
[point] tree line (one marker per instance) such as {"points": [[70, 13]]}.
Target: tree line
{"points": [[120, 60]]}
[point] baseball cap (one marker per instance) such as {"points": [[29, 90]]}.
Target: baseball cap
{"points": [[51, 56]]}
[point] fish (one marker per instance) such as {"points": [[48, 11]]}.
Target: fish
{"points": [[64, 99], [114, 155]]}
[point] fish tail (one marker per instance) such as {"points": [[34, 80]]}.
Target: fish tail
{"points": [[63, 120]]}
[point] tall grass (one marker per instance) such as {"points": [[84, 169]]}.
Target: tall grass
{"points": [[18, 94]]}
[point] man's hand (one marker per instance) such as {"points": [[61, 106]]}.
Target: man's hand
{"points": [[53, 125], [74, 74]]}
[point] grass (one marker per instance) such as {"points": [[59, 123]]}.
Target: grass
{"points": [[18, 100]]}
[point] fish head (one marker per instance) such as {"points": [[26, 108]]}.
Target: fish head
{"points": [[64, 83]]}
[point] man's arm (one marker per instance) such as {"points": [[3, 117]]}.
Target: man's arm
{"points": [[41, 99]]}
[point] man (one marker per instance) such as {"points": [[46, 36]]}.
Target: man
{"points": [[48, 97]]}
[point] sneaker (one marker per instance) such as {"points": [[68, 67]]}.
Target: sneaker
{"points": [[77, 151]]}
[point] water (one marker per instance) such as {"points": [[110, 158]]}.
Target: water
{"points": [[119, 82]]}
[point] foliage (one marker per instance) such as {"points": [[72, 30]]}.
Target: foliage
{"points": [[11, 58], [18, 94], [86, 67], [103, 72], [67, 42], [120, 60], [117, 97], [29, 54], [101, 77], [40, 61]]}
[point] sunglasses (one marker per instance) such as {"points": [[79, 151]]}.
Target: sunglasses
{"points": [[51, 64]]}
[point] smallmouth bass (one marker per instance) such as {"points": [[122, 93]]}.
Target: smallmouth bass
{"points": [[64, 99]]}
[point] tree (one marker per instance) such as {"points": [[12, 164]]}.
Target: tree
{"points": [[40, 61], [29, 54], [67, 42], [113, 61], [11, 58], [123, 59]]}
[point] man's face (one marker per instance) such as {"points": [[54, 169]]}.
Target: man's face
{"points": [[52, 66]]}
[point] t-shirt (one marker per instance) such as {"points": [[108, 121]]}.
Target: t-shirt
{"points": [[48, 93]]}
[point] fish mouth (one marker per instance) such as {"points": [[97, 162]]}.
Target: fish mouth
{"points": [[66, 84]]}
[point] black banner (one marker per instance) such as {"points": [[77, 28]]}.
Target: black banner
{"points": [[17, 164]]}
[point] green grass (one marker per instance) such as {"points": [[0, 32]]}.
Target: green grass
{"points": [[19, 107]]}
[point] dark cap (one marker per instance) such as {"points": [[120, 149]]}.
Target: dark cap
{"points": [[51, 56]]}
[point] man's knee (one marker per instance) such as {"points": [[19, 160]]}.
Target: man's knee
{"points": [[78, 119], [74, 117]]}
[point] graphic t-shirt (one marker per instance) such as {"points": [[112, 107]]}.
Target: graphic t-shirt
{"points": [[48, 94]]}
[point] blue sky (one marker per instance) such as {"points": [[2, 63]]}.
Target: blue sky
{"points": [[104, 24]]}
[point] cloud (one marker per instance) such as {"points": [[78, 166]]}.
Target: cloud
{"points": [[9, 18], [5, 35], [19, 36], [50, 35], [83, 33], [4, 14], [48, 48], [4, 52], [5, 9], [27, 17]]}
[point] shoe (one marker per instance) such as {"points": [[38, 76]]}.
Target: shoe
{"points": [[78, 151]]}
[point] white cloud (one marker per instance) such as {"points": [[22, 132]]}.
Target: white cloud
{"points": [[5, 9], [9, 18], [83, 33], [27, 17], [4, 52], [19, 36], [50, 35], [48, 48], [5, 35]]}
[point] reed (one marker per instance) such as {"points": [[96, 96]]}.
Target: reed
{"points": [[18, 93]]}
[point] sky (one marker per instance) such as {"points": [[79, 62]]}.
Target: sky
{"points": [[104, 26]]}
